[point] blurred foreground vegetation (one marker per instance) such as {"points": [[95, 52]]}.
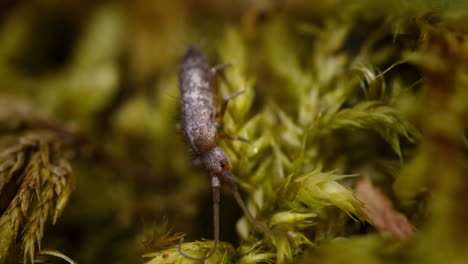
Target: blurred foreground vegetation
{"points": [[339, 94]]}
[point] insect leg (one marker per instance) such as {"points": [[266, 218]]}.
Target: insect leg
{"points": [[219, 67], [227, 177], [216, 185], [233, 137], [214, 78], [214, 84], [221, 113]]}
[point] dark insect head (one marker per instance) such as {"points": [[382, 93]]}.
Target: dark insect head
{"points": [[216, 161]]}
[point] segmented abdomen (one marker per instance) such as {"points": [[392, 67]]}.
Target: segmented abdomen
{"points": [[196, 99]]}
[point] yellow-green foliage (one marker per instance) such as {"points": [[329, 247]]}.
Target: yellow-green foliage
{"points": [[36, 165], [333, 91], [225, 254]]}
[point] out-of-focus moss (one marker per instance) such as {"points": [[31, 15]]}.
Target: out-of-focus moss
{"points": [[365, 249], [91, 78]]}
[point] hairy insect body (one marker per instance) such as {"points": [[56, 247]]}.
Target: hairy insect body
{"points": [[198, 112]]}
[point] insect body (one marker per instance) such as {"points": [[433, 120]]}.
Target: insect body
{"points": [[198, 111], [201, 124]]}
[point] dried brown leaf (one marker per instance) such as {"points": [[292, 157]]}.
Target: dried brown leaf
{"points": [[383, 216]]}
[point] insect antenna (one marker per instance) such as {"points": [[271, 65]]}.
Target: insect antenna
{"points": [[227, 176], [216, 186]]}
